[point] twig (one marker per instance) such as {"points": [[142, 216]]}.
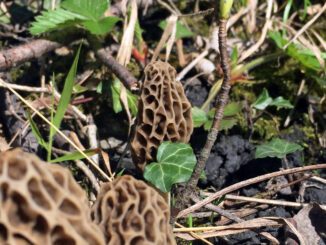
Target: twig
{"points": [[266, 27], [267, 201], [248, 182], [192, 64], [128, 80], [221, 101], [195, 235], [304, 28], [20, 54], [37, 48]]}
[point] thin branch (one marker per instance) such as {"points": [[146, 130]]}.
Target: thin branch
{"points": [[37, 48], [128, 80], [22, 53], [248, 182], [221, 101]]}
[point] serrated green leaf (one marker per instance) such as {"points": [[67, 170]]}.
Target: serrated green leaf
{"points": [[263, 100], [181, 32], [276, 148], [52, 20], [175, 163], [75, 156], [199, 116], [91, 9], [280, 103], [101, 27]]}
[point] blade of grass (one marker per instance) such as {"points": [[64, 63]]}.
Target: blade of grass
{"points": [[94, 165], [51, 133], [66, 93], [75, 155], [37, 133]]}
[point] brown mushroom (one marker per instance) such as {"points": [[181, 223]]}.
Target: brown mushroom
{"points": [[164, 113], [41, 203], [130, 212]]}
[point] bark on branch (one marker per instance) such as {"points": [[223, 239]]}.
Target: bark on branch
{"points": [[12, 57]]}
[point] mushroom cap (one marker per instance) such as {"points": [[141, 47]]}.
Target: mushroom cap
{"points": [[41, 203], [164, 113], [130, 212]]}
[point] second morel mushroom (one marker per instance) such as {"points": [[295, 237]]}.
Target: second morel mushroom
{"points": [[164, 113]]}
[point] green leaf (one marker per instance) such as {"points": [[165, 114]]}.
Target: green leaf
{"points": [[52, 20], [37, 133], [302, 55], [199, 116], [280, 103], [132, 103], [228, 121], [181, 32], [102, 26], [175, 163], [276, 148], [75, 156], [66, 92], [115, 90], [263, 100], [91, 9], [232, 109]]}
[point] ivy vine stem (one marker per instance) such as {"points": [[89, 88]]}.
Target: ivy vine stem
{"points": [[221, 100]]}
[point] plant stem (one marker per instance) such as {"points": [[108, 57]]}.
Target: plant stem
{"points": [[221, 100], [184, 195]]}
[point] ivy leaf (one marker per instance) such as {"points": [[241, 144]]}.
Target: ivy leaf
{"points": [[199, 116], [102, 26], [175, 163], [91, 9], [276, 148], [181, 32], [263, 100], [280, 103]]}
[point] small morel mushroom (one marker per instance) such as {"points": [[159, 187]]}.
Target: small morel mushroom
{"points": [[41, 203], [164, 113], [130, 212]]}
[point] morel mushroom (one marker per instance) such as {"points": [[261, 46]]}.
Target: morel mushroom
{"points": [[130, 212], [42, 204], [164, 113]]}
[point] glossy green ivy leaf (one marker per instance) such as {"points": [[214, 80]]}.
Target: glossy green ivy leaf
{"points": [[181, 32], [280, 103], [199, 116], [276, 148], [263, 100], [175, 163]]}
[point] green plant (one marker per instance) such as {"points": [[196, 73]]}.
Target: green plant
{"points": [[57, 117], [276, 148], [175, 163], [88, 14]]}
